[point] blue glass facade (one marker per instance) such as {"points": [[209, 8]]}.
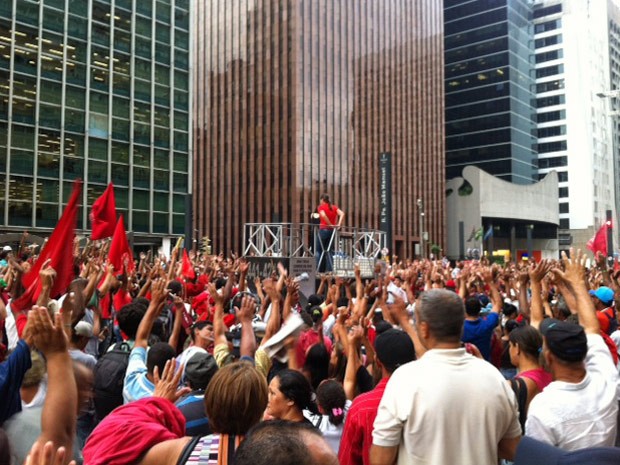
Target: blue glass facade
{"points": [[489, 100]]}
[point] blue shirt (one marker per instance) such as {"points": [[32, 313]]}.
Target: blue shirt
{"points": [[478, 332], [192, 406], [12, 373], [136, 385]]}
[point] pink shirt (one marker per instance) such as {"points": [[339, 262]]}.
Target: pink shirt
{"points": [[539, 376]]}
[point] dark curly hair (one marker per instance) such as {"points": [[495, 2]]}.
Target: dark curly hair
{"points": [[129, 318], [332, 399]]}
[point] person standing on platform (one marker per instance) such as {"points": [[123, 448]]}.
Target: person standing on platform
{"points": [[331, 218]]}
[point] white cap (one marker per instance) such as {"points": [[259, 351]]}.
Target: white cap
{"points": [[83, 328], [6, 248]]}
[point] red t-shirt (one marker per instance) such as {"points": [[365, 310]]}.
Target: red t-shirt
{"points": [[332, 215]]}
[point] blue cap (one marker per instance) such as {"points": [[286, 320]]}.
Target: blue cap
{"points": [[604, 294]]}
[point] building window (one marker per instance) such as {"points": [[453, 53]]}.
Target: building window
{"points": [[547, 26], [550, 116], [549, 71], [547, 41], [552, 146], [564, 208], [563, 192], [563, 176], [551, 131], [550, 101], [549, 86], [548, 56], [564, 223], [552, 162], [547, 11]]}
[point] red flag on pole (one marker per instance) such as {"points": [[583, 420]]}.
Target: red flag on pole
{"points": [[103, 215], [187, 267], [59, 250], [599, 242], [119, 248]]}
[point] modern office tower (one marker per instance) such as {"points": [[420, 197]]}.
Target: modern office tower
{"points": [[297, 98], [489, 112], [572, 68], [613, 96], [98, 90]]}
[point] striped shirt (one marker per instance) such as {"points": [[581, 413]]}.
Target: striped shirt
{"points": [[357, 434]]}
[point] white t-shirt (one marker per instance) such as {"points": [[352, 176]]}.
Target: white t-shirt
{"points": [[331, 432], [446, 408], [577, 415]]}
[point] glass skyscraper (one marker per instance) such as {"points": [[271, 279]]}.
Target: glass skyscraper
{"points": [[98, 90], [489, 101]]}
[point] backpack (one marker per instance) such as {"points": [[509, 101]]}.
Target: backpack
{"points": [[613, 321], [520, 389], [109, 377]]}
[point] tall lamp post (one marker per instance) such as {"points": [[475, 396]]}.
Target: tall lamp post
{"points": [[421, 212]]}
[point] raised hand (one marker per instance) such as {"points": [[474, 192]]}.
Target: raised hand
{"points": [[247, 310], [167, 386], [158, 291], [46, 455], [47, 274], [538, 271], [47, 336]]}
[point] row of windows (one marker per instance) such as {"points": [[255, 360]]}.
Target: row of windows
{"points": [[548, 26], [477, 80], [546, 11], [552, 162], [550, 116], [470, 8], [552, 131], [478, 64], [548, 147], [476, 35], [22, 163], [548, 56], [549, 86], [49, 142], [475, 22], [550, 101], [549, 71], [477, 124], [480, 49], [28, 12], [547, 41]]}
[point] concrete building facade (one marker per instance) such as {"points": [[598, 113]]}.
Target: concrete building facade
{"points": [[572, 69]]}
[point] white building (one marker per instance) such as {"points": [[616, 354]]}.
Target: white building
{"points": [[572, 70]]}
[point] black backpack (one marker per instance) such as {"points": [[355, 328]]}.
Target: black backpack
{"points": [[109, 377]]}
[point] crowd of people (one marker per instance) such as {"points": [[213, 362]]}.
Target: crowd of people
{"points": [[187, 359]]}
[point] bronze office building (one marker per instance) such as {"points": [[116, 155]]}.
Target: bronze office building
{"points": [[294, 98]]}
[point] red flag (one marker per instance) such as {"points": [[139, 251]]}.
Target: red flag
{"points": [[599, 242], [187, 269], [59, 248], [119, 248], [103, 215]]}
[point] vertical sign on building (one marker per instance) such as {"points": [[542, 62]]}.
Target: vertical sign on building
{"points": [[385, 210]]}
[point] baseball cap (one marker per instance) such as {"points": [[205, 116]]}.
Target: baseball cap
{"points": [[533, 452], [604, 294], [6, 248], [565, 340], [199, 370], [451, 284], [84, 329], [394, 348]]}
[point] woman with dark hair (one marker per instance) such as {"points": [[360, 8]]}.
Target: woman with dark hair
{"points": [[525, 345], [333, 407], [316, 367], [290, 394], [331, 218]]}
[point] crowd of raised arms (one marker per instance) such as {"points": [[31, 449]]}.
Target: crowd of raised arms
{"points": [[187, 359]]}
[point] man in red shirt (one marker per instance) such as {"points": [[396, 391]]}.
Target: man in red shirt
{"points": [[603, 299], [393, 348], [331, 218]]}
